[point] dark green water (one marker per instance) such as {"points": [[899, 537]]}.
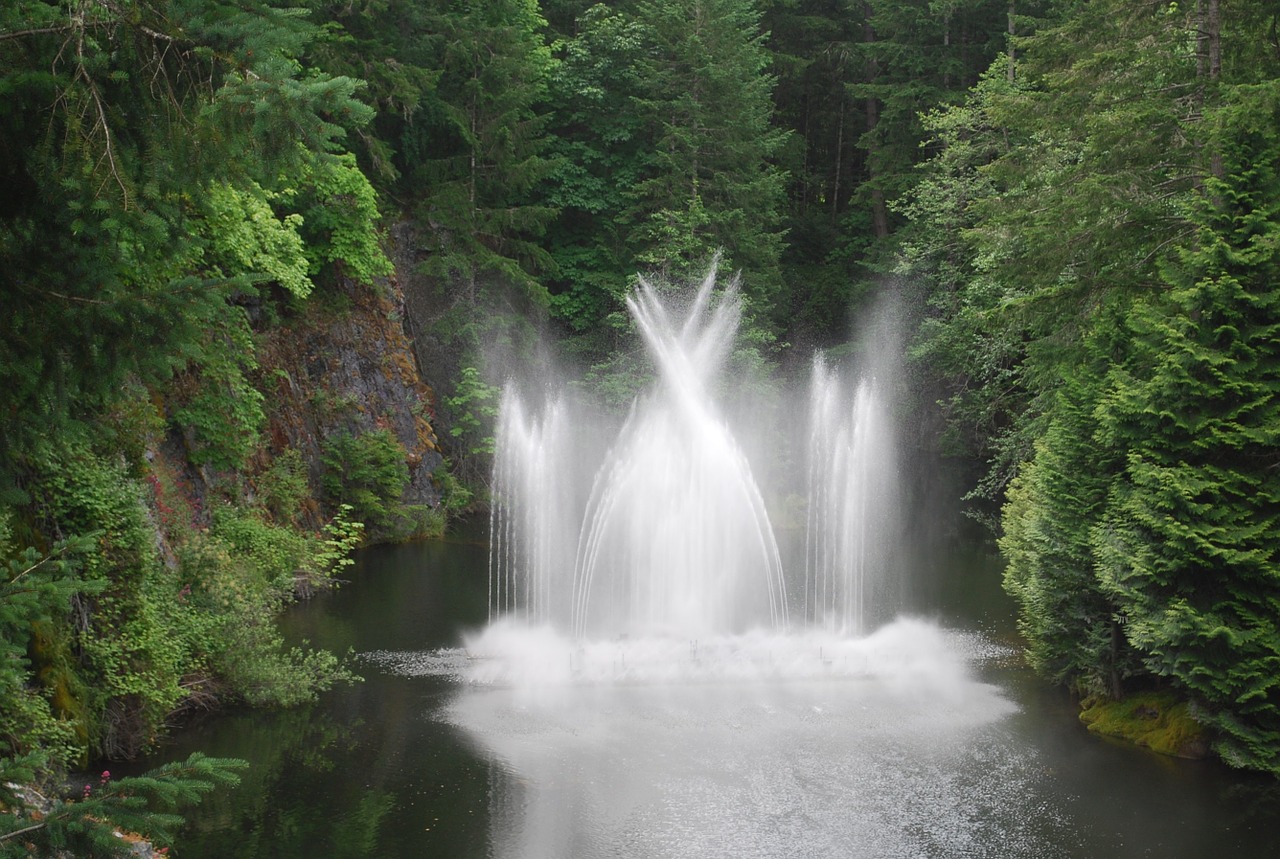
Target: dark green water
{"points": [[393, 767]]}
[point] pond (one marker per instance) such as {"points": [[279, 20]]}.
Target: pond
{"points": [[985, 760]]}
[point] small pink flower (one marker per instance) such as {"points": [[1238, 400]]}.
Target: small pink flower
{"points": [[106, 776]]}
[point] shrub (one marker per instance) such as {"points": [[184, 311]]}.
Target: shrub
{"points": [[369, 473]]}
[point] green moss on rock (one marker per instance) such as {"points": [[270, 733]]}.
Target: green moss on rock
{"points": [[1155, 720]]}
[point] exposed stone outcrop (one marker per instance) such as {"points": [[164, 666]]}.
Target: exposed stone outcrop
{"points": [[350, 369]]}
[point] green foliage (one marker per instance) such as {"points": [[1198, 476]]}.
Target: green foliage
{"points": [[601, 149], [247, 237], [224, 414], [968, 340], [1189, 540], [90, 825], [388, 45], [1028, 220], [340, 219], [273, 552], [853, 81], [1072, 625], [224, 613], [107, 650], [115, 671], [455, 497], [284, 487], [369, 473], [35, 591], [1105, 308], [338, 539], [712, 185], [113, 115], [476, 152], [474, 407]]}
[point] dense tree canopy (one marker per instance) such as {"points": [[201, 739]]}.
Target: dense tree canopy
{"points": [[136, 138], [1105, 306]]}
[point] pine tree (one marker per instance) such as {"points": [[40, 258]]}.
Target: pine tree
{"points": [[601, 149], [93, 824]]}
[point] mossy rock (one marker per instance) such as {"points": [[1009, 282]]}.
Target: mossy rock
{"points": [[1155, 720]]}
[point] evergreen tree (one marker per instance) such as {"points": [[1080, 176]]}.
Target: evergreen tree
{"points": [[601, 150], [388, 45], [854, 77], [1072, 625], [713, 184], [91, 824], [1190, 543], [475, 149], [1058, 217]]}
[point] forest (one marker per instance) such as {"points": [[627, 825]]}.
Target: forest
{"points": [[1080, 200]]}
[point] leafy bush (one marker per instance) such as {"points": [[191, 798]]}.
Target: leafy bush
{"points": [[246, 237], [369, 473], [283, 488], [339, 218], [475, 405], [227, 612], [269, 554], [224, 412]]}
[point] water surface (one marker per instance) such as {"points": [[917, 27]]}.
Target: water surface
{"points": [[983, 761]]}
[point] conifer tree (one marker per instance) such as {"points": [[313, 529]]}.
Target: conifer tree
{"points": [[1190, 543], [476, 148], [601, 149], [94, 823], [1072, 625], [713, 184]]}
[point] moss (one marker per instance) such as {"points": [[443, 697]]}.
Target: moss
{"points": [[1155, 720]]}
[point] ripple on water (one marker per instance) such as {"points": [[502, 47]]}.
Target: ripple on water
{"points": [[889, 748]]}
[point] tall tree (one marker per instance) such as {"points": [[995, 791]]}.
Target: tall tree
{"points": [[1190, 542], [601, 149], [1072, 624], [388, 45], [854, 78], [1068, 214], [476, 147], [713, 183]]}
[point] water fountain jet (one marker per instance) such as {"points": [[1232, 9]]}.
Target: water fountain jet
{"points": [[668, 535]]}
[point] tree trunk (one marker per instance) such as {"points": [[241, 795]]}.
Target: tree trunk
{"points": [[1117, 689], [1213, 37], [1012, 29], [879, 209]]}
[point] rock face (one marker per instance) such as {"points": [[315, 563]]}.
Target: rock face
{"points": [[349, 367]]}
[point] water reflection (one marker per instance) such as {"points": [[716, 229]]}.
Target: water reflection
{"points": [[851, 767], [406, 766]]}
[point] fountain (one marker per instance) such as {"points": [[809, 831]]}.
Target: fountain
{"points": [[852, 476], [663, 539], [689, 649]]}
